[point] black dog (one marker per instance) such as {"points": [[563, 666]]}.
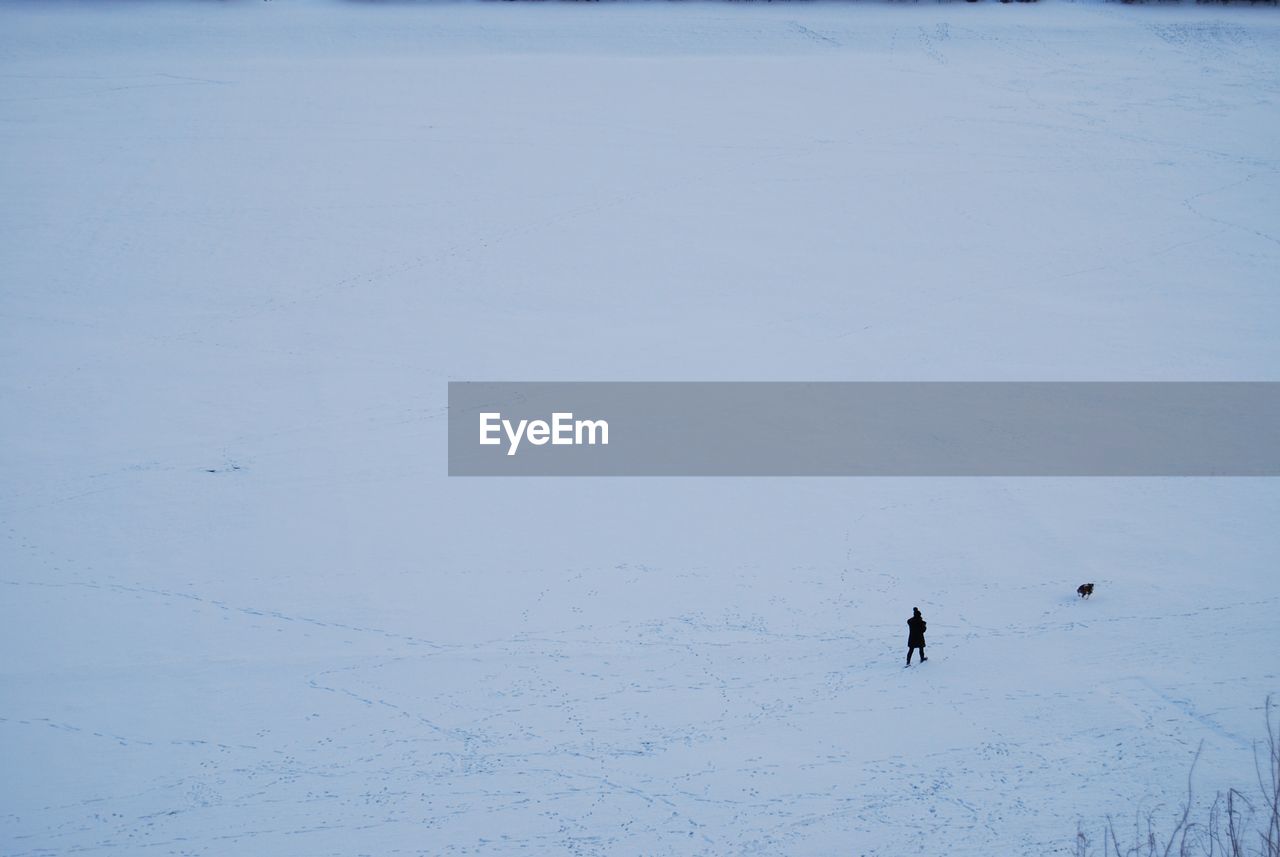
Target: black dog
{"points": [[1085, 590]]}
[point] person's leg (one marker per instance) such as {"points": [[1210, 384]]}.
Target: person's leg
{"points": [[910, 651], [922, 657]]}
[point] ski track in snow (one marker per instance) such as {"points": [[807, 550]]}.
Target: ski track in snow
{"points": [[551, 726]]}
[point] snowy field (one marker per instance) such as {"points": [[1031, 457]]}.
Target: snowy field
{"points": [[244, 247]]}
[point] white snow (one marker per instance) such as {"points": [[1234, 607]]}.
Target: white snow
{"points": [[244, 247]]}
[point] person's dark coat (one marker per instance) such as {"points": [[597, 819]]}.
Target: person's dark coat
{"points": [[916, 625]]}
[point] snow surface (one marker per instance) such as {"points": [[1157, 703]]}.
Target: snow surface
{"points": [[243, 610]]}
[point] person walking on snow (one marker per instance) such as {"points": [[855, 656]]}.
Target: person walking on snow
{"points": [[915, 637]]}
